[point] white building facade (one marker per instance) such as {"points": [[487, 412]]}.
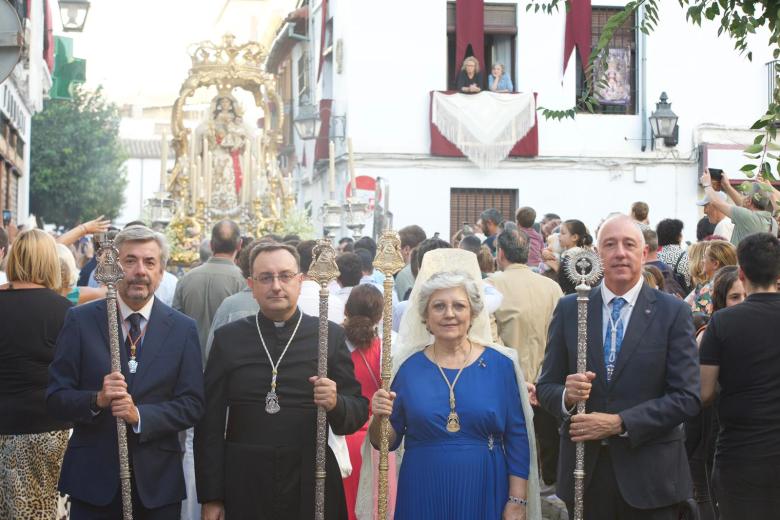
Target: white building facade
{"points": [[21, 96], [381, 63]]}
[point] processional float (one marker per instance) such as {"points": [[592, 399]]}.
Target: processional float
{"points": [[584, 270], [226, 168], [109, 272]]}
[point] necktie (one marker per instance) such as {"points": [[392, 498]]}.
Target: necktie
{"points": [[614, 330]]}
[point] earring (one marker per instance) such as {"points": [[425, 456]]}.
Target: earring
{"points": [[425, 322]]}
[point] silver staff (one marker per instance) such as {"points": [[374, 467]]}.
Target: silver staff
{"points": [[109, 272], [323, 270], [389, 261], [583, 269]]}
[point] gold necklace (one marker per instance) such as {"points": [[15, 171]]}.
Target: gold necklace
{"points": [[453, 421]]}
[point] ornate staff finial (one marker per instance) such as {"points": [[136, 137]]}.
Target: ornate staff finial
{"points": [[389, 259], [323, 266], [108, 271], [584, 268]]}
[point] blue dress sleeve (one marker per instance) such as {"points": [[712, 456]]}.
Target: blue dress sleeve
{"points": [[398, 417], [518, 453], [509, 85]]}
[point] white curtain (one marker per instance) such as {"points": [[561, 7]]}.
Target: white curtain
{"points": [[484, 126]]}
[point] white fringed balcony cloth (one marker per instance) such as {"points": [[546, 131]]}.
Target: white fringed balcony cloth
{"points": [[484, 126]]}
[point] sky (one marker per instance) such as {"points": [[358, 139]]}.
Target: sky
{"points": [[137, 49]]}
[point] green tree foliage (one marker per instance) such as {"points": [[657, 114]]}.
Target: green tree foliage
{"points": [[76, 171], [738, 19]]}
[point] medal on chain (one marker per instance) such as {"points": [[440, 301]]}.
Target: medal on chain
{"points": [[271, 398], [453, 421]]}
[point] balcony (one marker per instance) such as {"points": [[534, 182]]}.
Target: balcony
{"points": [[510, 118]]}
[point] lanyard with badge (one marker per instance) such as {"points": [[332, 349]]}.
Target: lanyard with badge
{"points": [[612, 356]]}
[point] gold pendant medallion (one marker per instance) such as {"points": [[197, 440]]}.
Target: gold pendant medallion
{"points": [[453, 422]]}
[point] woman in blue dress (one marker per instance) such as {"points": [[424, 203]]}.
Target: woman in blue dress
{"points": [[456, 405]]}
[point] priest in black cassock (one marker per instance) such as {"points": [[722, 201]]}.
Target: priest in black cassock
{"points": [[254, 448]]}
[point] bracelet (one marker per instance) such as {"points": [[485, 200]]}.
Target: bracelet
{"points": [[517, 500], [83, 228], [706, 185]]}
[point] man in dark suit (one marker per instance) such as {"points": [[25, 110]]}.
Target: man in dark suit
{"points": [[642, 383], [158, 393]]}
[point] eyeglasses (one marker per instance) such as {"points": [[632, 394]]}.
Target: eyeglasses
{"points": [[268, 278]]}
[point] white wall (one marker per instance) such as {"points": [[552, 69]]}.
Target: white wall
{"points": [[393, 59], [587, 167], [587, 191]]}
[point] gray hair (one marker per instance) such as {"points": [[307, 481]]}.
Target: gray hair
{"points": [[144, 234], [450, 280]]}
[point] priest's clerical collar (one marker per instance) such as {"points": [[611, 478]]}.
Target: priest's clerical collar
{"points": [[280, 324]]}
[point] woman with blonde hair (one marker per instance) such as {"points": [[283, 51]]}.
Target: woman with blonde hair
{"points": [[705, 260], [69, 275], [32, 444], [469, 80]]}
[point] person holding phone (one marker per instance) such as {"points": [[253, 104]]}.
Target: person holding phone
{"points": [[750, 212]]}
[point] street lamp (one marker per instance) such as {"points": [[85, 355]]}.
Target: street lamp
{"points": [[663, 122], [74, 14], [307, 124]]}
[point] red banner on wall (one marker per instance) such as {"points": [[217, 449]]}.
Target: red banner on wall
{"points": [[469, 31], [578, 31]]}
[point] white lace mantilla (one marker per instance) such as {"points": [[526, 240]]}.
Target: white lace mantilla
{"points": [[484, 126]]}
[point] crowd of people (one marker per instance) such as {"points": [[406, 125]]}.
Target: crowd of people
{"points": [[219, 391]]}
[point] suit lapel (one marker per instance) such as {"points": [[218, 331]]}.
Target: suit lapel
{"points": [[641, 317], [101, 320], [157, 331], [595, 339]]}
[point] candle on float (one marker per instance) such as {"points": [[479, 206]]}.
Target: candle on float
{"points": [[201, 185], [352, 178], [387, 198], [208, 171], [332, 170], [192, 175], [163, 162]]}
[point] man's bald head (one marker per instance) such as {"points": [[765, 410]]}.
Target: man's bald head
{"points": [[629, 224], [623, 252], [225, 238]]}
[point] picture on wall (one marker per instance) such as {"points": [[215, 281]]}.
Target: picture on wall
{"points": [[612, 85]]}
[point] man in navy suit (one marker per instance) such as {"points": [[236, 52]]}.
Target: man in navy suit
{"points": [[158, 393], [642, 383]]}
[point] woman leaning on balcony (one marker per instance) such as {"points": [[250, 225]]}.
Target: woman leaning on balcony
{"points": [[498, 81], [469, 80]]}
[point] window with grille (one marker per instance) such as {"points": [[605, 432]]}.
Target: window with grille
{"points": [[617, 94], [466, 204]]}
